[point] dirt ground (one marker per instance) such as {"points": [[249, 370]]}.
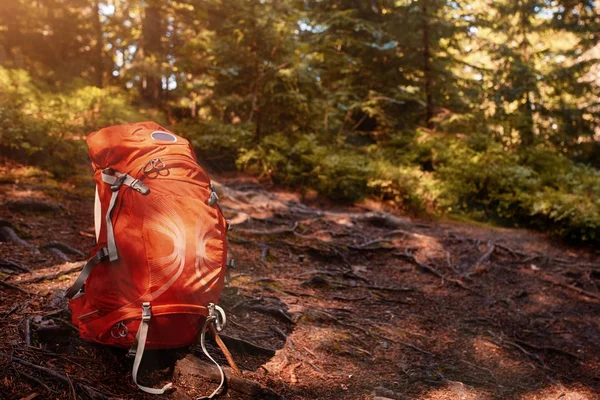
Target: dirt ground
{"points": [[338, 303]]}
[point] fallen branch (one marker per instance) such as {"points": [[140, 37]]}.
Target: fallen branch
{"points": [[225, 351], [91, 392], [191, 366]]}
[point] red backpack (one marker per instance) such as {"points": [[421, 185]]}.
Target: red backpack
{"points": [[159, 263]]}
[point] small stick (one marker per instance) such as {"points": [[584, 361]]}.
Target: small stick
{"points": [[225, 351], [34, 379], [72, 387], [27, 332]]}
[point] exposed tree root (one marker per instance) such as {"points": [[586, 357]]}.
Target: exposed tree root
{"points": [[265, 309], [15, 287], [49, 277], [25, 206], [191, 367], [245, 346], [14, 266], [63, 247], [571, 287], [91, 392], [8, 234], [276, 231], [486, 256], [59, 254]]}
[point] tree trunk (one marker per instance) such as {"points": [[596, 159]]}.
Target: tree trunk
{"points": [[152, 33], [427, 66], [98, 59], [527, 127]]}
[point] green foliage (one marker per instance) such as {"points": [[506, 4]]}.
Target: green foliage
{"points": [[47, 127]]}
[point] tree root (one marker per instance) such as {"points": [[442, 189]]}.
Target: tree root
{"points": [[8, 234], [486, 256], [409, 257], [49, 277], [571, 287], [32, 205], [63, 247], [91, 392], [59, 254], [265, 309], [192, 367], [245, 346], [15, 287], [276, 231], [14, 266]]}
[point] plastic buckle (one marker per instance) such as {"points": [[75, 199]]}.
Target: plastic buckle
{"points": [[120, 179], [216, 314], [213, 199], [146, 311], [231, 263]]}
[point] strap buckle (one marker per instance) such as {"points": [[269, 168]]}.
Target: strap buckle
{"points": [[146, 312], [213, 199], [216, 314], [118, 182]]}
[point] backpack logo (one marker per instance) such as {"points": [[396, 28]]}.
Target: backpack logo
{"points": [[167, 268], [206, 269]]}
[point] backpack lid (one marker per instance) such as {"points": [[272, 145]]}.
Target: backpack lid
{"points": [[122, 146]]}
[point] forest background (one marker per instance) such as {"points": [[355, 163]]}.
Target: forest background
{"points": [[482, 109]]}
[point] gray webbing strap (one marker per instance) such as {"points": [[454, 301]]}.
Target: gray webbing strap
{"points": [[85, 272], [115, 180], [140, 342], [213, 319], [113, 255]]}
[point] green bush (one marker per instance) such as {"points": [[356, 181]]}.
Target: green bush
{"points": [[46, 127], [216, 143]]}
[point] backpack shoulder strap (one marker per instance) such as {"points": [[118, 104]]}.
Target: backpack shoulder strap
{"points": [[85, 272]]}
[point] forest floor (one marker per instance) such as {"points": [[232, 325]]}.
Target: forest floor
{"points": [[329, 301]]}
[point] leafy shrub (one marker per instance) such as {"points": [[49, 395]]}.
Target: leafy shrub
{"points": [[217, 144], [46, 127]]}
